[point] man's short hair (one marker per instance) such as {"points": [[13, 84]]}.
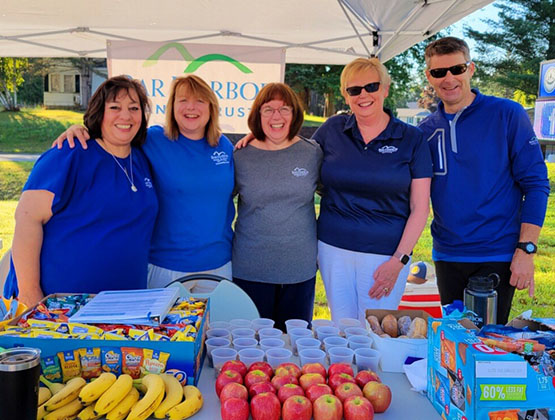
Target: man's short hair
{"points": [[445, 46]]}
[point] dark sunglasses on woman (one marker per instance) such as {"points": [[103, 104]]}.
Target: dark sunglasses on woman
{"points": [[455, 70], [356, 90]]}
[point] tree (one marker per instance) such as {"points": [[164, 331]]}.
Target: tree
{"points": [[510, 53], [428, 99], [11, 76]]}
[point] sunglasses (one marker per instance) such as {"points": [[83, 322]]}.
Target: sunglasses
{"points": [[356, 90], [455, 70]]}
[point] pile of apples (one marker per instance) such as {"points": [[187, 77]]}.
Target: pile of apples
{"points": [[292, 393]]}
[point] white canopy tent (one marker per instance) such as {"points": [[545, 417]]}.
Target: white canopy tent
{"points": [[311, 31]]}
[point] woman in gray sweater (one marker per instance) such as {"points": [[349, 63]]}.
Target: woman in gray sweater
{"points": [[275, 246]]}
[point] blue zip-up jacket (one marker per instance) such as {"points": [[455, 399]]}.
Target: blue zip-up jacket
{"points": [[489, 177]]}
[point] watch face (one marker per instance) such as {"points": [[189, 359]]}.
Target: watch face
{"points": [[405, 259], [529, 248]]}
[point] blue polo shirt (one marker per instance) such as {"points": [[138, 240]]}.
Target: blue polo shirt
{"points": [[366, 187]]}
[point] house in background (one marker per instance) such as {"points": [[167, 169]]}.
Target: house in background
{"points": [[412, 115], [68, 85]]}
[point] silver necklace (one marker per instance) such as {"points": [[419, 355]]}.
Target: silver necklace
{"points": [[133, 187]]}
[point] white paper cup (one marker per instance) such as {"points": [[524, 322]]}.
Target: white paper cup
{"points": [[215, 343], [277, 356], [367, 359], [244, 343], [312, 356], [317, 323], [307, 343], [341, 355], [348, 322], [269, 333], [360, 341], [221, 355], [240, 323], [331, 342], [271, 343], [260, 323], [355, 331], [295, 323], [249, 356], [243, 333], [295, 334], [218, 332], [219, 324], [323, 332]]}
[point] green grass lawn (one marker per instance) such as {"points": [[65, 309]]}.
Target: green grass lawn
{"points": [[33, 129]]}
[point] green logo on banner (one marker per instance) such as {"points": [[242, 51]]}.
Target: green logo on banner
{"points": [[503, 392], [195, 63]]}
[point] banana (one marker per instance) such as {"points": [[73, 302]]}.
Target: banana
{"points": [[93, 390], [155, 391], [88, 414], [121, 410], [67, 394], [52, 386], [192, 404], [44, 395], [65, 412], [174, 395], [114, 395], [41, 412]]}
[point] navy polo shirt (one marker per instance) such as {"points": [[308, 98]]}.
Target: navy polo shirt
{"points": [[366, 187]]}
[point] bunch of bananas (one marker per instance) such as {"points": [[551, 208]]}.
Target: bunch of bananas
{"points": [[117, 398]]}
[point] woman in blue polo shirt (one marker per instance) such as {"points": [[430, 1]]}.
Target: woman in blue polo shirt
{"points": [[376, 177]]}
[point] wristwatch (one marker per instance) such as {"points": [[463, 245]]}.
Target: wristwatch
{"points": [[404, 258], [528, 247]]}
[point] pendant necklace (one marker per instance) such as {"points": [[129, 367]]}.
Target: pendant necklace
{"points": [[133, 187]]}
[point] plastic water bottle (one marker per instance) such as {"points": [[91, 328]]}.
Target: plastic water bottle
{"points": [[480, 297]]}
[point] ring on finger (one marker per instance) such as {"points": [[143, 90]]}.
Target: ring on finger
{"points": [[386, 289]]}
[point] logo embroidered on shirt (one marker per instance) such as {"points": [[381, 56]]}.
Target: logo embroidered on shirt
{"points": [[220, 158], [299, 172], [533, 141], [387, 149], [148, 183]]}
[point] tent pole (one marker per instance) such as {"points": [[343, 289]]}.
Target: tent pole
{"points": [[354, 27]]}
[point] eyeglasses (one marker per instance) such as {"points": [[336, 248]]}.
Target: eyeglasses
{"points": [[455, 70], [284, 111], [356, 90]]}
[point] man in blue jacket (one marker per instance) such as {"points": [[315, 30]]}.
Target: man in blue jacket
{"points": [[490, 187]]}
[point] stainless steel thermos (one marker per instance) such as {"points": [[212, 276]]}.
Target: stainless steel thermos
{"points": [[480, 297], [19, 383]]}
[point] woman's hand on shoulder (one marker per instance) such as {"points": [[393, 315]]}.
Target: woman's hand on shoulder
{"points": [[75, 130], [244, 141]]}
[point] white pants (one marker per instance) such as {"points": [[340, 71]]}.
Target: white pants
{"points": [[161, 277], [348, 276]]}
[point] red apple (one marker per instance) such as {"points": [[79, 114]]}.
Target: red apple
{"points": [[309, 379], [265, 406], [235, 365], [261, 387], [340, 378], [315, 368], [234, 390], [264, 367], [365, 376], [378, 394], [289, 390], [358, 408], [346, 390], [235, 409], [254, 377], [327, 407], [279, 381], [288, 369], [315, 391], [296, 408], [226, 377], [340, 368]]}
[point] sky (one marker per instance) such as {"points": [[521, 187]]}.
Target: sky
{"points": [[474, 20]]}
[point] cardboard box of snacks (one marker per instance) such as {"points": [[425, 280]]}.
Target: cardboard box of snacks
{"points": [[467, 379], [62, 358], [395, 350]]}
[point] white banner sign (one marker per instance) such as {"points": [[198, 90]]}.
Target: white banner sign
{"points": [[235, 73]]}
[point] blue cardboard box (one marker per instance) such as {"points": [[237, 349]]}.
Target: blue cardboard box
{"points": [[468, 380], [185, 357]]}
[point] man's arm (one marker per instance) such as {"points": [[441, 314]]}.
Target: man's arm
{"points": [[522, 265]]}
